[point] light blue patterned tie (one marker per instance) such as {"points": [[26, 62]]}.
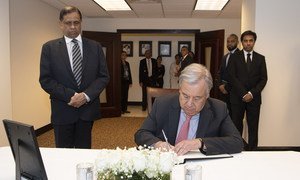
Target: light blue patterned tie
{"points": [[77, 62]]}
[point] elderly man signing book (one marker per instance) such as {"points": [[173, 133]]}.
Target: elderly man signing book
{"points": [[191, 120]]}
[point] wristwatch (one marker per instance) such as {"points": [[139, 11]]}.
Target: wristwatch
{"points": [[202, 147]]}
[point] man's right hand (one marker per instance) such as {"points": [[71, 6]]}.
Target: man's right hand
{"points": [[222, 89], [164, 146]]}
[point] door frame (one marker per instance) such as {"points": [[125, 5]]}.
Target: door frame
{"points": [[112, 42], [214, 40]]}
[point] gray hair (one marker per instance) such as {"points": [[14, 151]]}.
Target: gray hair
{"points": [[194, 73]]}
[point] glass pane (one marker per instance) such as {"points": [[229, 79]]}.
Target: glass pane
{"points": [[103, 94], [207, 57]]}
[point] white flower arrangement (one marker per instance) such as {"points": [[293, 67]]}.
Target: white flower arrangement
{"points": [[135, 163]]}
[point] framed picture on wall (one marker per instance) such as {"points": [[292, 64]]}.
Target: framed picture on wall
{"points": [[184, 43], [164, 48], [143, 46], [127, 46]]}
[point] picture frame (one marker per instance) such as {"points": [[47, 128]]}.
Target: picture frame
{"points": [[164, 48], [127, 46], [143, 46], [184, 43]]}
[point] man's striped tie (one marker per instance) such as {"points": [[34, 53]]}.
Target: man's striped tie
{"points": [[77, 62]]}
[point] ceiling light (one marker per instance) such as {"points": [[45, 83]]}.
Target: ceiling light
{"points": [[210, 4], [113, 5]]}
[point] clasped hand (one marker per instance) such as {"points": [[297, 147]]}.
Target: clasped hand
{"points": [[77, 100], [222, 89], [180, 148], [247, 98]]}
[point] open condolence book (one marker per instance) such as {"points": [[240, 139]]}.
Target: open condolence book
{"points": [[197, 155]]}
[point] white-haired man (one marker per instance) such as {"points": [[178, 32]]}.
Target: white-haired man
{"points": [[191, 120]]}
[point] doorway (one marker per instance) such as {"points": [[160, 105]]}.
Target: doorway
{"points": [[209, 50], [110, 97]]}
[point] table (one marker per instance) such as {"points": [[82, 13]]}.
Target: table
{"points": [[274, 165]]}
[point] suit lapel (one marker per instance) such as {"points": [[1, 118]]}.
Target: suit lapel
{"points": [[174, 115], [254, 61], [64, 54], [66, 59], [204, 120], [225, 59], [85, 55], [243, 61]]}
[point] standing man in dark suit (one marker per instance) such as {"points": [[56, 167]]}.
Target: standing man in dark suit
{"points": [[147, 75], [191, 120], [73, 72], [126, 81], [248, 77], [223, 80], [186, 59]]}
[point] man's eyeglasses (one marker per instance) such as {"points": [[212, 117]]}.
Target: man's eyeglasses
{"points": [[70, 23]]}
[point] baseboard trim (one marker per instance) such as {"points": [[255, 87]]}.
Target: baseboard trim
{"points": [[43, 129], [134, 103], [278, 148]]}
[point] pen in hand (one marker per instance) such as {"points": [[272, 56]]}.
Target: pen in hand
{"points": [[166, 139]]}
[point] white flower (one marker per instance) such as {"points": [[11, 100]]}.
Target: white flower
{"points": [[152, 162], [166, 162]]}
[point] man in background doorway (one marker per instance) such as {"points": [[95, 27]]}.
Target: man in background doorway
{"points": [[223, 80], [248, 77], [147, 75], [126, 82], [186, 59]]}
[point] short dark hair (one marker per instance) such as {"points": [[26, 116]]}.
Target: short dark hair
{"points": [[246, 33], [234, 36], [185, 47], [67, 10]]}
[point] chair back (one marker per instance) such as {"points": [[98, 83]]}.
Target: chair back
{"points": [[153, 93]]}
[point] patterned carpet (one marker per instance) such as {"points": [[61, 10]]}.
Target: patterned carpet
{"points": [[107, 133]]}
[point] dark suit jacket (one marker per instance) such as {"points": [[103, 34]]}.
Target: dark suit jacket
{"points": [[223, 75], [57, 79], [129, 73], [143, 72], [185, 62], [242, 81], [215, 126]]}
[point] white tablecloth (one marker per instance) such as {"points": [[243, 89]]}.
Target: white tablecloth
{"points": [[61, 164]]}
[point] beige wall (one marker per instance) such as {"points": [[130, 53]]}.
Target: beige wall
{"points": [[277, 27], [248, 15], [278, 41], [5, 87], [32, 23]]}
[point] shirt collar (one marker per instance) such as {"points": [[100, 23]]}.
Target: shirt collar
{"points": [[185, 56], [183, 113], [78, 38], [245, 53], [233, 51]]}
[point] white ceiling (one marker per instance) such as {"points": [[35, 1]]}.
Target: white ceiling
{"points": [[151, 9]]}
